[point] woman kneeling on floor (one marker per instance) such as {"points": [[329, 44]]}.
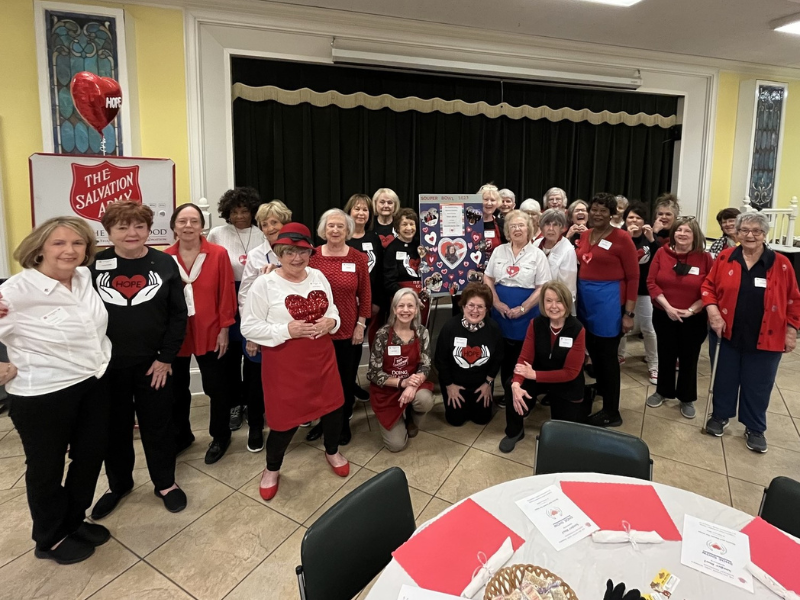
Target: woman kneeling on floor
{"points": [[551, 362], [399, 366]]}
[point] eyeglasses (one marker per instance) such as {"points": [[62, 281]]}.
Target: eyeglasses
{"points": [[296, 251], [472, 306], [753, 232], [517, 226], [184, 222]]}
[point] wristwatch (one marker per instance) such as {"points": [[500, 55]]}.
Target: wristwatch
{"points": [[629, 313], [489, 382], [522, 308], [690, 309]]}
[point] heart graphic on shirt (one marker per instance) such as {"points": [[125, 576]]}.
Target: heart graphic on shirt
{"points": [[512, 270], [452, 251], [129, 286], [476, 237], [431, 258], [308, 309], [470, 354], [476, 257], [586, 258], [386, 239], [431, 238], [413, 263]]}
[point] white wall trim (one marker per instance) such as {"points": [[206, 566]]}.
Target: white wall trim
{"points": [[5, 264], [193, 109]]}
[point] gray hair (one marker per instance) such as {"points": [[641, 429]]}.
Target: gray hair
{"points": [[553, 215], [531, 205], [753, 217], [552, 191], [398, 295], [350, 225], [518, 214], [622, 201], [506, 193]]}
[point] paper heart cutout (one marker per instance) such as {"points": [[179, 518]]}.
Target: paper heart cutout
{"points": [[466, 263], [431, 258], [439, 264], [469, 245], [471, 354], [129, 286], [587, 258], [452, 251], [512, 270], [461, 281], [308, 309], [97, 99], [431, 238], [451, 277], [476, 257], [444, 271], [476, 237]]}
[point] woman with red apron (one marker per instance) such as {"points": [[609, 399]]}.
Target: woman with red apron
{"points": [[290, 313], [399, 365]]}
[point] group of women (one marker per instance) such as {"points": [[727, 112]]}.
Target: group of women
{"points": [[277, 325]]}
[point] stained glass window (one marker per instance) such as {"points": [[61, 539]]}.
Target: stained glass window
{"points": [[769, 113], [75, 43]]}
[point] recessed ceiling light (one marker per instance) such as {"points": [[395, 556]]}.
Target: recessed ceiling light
{"points": [[790, 24], [615, 2]]}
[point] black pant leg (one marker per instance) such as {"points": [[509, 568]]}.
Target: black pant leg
{"points": [[231, 368], [476, 411], [668, 342], [693, 333], [454, 415], [181, 399], [277, 443], [120, 457], [344, 363], [514, 420], [218, 391], [511, 351], [332, 429], [255, 395], [603, 352]]}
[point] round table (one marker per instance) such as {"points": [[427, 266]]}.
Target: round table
{"points": [[586, 565]]}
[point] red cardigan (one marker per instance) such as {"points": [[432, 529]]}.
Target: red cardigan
{"points": [[214, 299], [681, 291], [781, 298], [619, 262]]}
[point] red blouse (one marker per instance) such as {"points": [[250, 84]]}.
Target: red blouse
{"points": [[617, 262], [349, 279], [681, 291], [214, 299]]}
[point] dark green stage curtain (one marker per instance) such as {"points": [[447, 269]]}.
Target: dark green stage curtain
{"points": [[316, 158]]}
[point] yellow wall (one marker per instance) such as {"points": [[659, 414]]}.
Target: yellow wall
{"points": [[160, 78], [725, 132]]}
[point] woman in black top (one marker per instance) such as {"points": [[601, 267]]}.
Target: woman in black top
{"points": [[401, 259], [468, 356]]}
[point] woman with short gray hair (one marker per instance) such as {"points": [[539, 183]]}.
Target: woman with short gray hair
{"points": [[508, 201], [753, 306], [555, 198], [559, 250]]}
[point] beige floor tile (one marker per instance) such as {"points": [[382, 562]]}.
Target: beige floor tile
{"points": [[759, 468], [781, 432], [683, 443], [211, 556], [434, 508], [788, 381], [306, 483], [627, 382], [5, 422], [427, 461], [275, 577], [792, 401], [15, 529], [141, 582], [30, 577], [200, 400], [365, 443], [233, 469], [632, 422], [142, 523], [198, 448], [746, 496], [198, 418], [693, 479], [11, 470], [776, 403], [435, 423], [6, 495], [478, 471], [633, 398], [525, 450], [11, 445]]}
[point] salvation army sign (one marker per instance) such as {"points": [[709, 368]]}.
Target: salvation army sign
{"points": [[84, 186]]}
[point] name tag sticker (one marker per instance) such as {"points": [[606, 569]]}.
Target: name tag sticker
{"points": [[317, 285], [604, 244], [54, 317], [760, 282], [348, 267], [106, 265], [565, 342], [394, 350], [489, 233], [459, 341], [400, 255], [694, 271], [366, 246]]}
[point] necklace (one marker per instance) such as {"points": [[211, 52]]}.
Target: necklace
{"points": [[249, 235], [556, 331], [603, 234]]}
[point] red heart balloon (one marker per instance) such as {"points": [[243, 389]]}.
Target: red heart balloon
{"points": [[97, 99]]}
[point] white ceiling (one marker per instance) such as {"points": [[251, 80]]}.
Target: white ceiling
{"points": [[735, 30]]}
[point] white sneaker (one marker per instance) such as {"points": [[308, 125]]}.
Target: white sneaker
{"points": [[652, 376]]}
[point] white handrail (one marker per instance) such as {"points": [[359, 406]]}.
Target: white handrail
{"points": [[781, 220]]}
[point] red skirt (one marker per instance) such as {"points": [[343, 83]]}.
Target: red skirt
{"points": [[301, 382]]}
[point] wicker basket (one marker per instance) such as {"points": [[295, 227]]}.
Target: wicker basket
{"points": [[507, 579]]}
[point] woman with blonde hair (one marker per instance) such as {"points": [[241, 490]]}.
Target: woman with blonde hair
{"points": [[55, 331], [386, 205], [493, 228]]}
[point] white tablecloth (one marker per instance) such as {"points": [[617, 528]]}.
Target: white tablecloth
{"points": [[586, 566]]}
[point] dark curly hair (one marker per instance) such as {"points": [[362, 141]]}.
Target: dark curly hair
{"points": [[607, 200], [239, 197], [638, 208]]}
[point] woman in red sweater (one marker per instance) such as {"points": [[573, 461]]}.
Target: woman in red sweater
{"points": [[347, 271], [676, 274], [608, 282]]}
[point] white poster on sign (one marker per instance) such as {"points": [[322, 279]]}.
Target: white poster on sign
{"points": [[83, 186], [452, 220]]}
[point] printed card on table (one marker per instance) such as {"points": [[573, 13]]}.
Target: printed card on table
{"points": [[717, 551], [557, 517]]}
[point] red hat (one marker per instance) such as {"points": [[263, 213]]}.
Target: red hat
{"points": [[295, 234]]}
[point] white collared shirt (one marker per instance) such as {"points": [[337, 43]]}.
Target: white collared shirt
{"points": [[257, 259], [529, 269], [563, 264], [55, 337]]}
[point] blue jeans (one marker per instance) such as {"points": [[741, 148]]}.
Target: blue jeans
{"points": [[744, 376]]}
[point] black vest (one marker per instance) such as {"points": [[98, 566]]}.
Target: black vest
{"points": [[549, 357]]}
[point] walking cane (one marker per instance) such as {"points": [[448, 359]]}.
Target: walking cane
{"points": [[710, 406]]}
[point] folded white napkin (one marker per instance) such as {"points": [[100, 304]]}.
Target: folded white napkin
{"points": [[488, 568], [773, 586], [605, 536]]}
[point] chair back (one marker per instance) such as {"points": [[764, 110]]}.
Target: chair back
{"points": [[354, 540], [564, 447], [780, 505]]}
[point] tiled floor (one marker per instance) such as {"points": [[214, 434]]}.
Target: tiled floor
{"points": [[230, 544]]}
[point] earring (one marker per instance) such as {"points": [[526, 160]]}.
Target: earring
{"points": [[38, 260]]}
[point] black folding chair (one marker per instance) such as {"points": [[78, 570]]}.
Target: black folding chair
{"points": [[564, 447], [354, 540], [780, 505]]}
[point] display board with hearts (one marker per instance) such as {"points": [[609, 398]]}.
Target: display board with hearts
{"points": [[449, 239]]}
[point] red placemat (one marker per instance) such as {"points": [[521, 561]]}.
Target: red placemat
{"points": [[775, 553], [443, 556], [609, 504]]}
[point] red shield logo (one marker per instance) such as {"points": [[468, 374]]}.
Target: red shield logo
{"points": [[96, 186]]}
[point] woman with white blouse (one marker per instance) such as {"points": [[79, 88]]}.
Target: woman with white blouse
{"points": [[515, 273], [559, 250], [55, 331]]}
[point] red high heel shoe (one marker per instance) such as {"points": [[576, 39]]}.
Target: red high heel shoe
{"points": [[342, 471], [268, 493]]}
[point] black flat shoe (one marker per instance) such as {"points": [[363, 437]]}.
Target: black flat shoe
{"points": [[315, 433], [216, 450], [183, 445], [346, 435], [361, 393], [603, 418], [92, 533], [68, 552], [107, 503], [174, 500]]}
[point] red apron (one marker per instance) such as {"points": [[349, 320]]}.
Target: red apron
{"points": [[385, 400], [416, 285]]}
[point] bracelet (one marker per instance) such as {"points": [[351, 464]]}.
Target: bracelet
{"points": [[522, 308], [362, 324]]}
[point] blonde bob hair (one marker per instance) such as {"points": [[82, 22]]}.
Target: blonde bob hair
{"points": [[561, 291], [349, 224], [389, 192], [399, 295], [490, 190], [28, 253], [518, 214], [276, 209]]}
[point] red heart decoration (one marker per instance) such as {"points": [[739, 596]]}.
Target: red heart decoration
{"points": [[470, 354], [308, 309], [414, 264], [97, 99], [476, 237], [444, 271], [128, 286], [451, 276], [466, 263], [431, 258], [439, 264], [512, 270], [587, 258]]}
